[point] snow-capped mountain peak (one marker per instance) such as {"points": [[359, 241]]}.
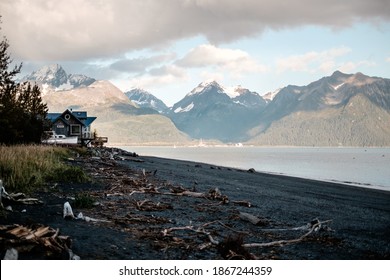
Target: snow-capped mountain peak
{"points": [[54, 77], [205, 86], [52, 74], [145, 99]]}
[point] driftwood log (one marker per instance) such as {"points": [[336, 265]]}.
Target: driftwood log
{"points": [[15, 198], [314, 227], [43, 240], [253, 219]]}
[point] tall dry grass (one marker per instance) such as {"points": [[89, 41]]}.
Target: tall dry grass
{"points": [[27, 167]]}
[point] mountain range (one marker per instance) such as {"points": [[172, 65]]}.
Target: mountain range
{"points": [[337, 110], [211, 112], [118, 118], [54, 77]]}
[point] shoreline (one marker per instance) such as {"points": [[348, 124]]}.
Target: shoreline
{"points": [[329, 182], [370, 183], [342, 183], [157, 208], [288, 199]]}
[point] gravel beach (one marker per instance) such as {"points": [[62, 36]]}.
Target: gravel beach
{"points": [[155, 208]]}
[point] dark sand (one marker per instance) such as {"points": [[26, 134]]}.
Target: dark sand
{"points": [[360, 227]]}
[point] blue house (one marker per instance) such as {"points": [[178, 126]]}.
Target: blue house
{"points": [[73, 124]]}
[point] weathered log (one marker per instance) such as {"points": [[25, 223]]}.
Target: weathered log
{"points": [[194, 194], [38, 238], [252, 219], [200, 229], [242, 203], [13, 198], [38, 233], [313, 228]]}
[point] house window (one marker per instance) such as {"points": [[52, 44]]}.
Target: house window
{"points": [[75, 129]]}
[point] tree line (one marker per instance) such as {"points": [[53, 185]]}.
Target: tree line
{"points": [[22, 110]]}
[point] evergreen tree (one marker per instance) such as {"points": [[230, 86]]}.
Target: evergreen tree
{"points": [[22, 111]]}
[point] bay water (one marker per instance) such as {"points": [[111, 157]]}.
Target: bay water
{"points": [[365, 167]]}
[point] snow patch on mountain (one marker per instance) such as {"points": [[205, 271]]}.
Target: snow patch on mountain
{"points": [[269, 96], [336, 87], [186, 109], [234, 91]]}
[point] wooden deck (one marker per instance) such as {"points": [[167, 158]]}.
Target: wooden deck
{"points": [[99, 141]]}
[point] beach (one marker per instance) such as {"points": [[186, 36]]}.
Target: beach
{"points": [[156, 208]]}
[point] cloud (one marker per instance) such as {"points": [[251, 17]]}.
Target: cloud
{"points": [[206, 55], [234, 61], [311, 61], [165, 70], [160, 76], [82, 29], [207, 76], [388, 59], [137, 65], [349, 67]]}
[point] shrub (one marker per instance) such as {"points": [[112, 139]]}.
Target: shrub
{"points": [[84, 201]]}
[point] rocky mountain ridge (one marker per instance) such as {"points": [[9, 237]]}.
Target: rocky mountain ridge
{"points": [[209, 112], [341, 109], [54, 77], [145, 99], [338, 110]]}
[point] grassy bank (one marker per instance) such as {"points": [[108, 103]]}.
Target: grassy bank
{"points": [[25, 168]]}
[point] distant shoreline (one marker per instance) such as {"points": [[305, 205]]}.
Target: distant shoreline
{"points": [[119, 145], [342, 181]]}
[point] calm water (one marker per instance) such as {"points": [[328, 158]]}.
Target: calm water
{"points": [[366, 167]]}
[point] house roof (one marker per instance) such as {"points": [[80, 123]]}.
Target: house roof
{"points": [[80, 116], [53, 116], [89, 120]]}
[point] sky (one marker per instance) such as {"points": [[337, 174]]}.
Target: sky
{"points": [[168, 47]]}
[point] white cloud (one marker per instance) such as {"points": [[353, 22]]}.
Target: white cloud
{"points": [[160, 76], [140, 64], [388, 59], [312, 61], [327, 66], [206, 55], [80, 29], [350, 67], [207, 76], [234, 61]]}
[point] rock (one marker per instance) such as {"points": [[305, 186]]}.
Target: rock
{"points": [[251, 170], [11, 254], [68, 212]]}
